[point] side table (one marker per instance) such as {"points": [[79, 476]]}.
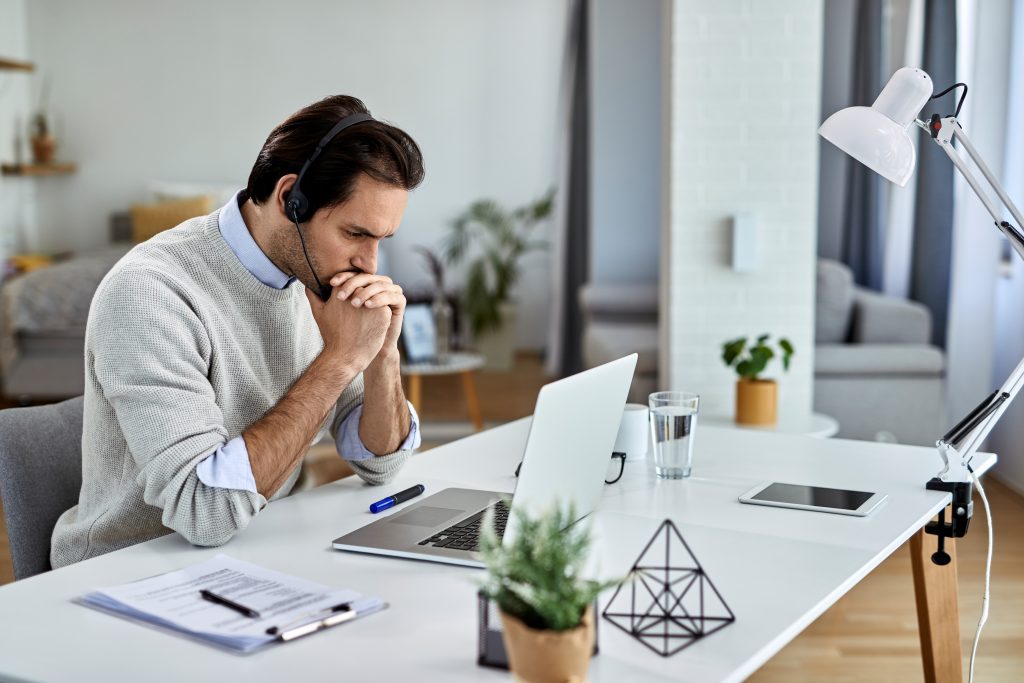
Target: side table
{"points": [[458, 363], [815, 424]]}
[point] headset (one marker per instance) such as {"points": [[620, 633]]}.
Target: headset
{"points": [[296, 204]]}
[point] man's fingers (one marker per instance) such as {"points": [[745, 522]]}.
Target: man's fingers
{"points": [[369, 292], [342, 277], [392, 298], [359, 280]]}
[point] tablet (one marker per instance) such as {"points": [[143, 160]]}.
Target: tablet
{"points": [[817, 498]]}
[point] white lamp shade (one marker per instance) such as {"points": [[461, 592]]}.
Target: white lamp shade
{"points": [[874, 140], [877, 136]]}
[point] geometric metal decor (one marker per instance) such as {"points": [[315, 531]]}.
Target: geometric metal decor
{"points": [[667, 606]]}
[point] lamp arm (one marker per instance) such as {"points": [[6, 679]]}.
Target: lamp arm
{"points": [[958, 446], [972, 152], [943, 131]]}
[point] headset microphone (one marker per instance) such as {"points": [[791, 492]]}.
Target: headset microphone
{"points": [[297, 205]]}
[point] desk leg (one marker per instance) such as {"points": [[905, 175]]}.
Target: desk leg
{"points": [[938, 610], [416, 391], [472, 402]]}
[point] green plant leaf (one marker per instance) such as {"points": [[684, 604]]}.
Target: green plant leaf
{"points": [[732, 349], [787, 352]]}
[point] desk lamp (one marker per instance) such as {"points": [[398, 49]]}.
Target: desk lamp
{"points": [[878, 136]]}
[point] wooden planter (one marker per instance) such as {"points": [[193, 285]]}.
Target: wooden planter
{"points": [[757, 402], [548, 656]]}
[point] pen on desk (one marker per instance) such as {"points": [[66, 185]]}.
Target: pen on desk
{"points": [[230, 604], [398, 498], [343, 607]]}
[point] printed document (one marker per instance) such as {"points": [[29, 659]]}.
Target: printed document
{"points": [[173, 601]]}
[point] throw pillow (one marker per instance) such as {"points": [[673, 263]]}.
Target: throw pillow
{"points": [[150, 219]]}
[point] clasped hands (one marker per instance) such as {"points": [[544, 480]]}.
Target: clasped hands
{"points": [[361, 322]]}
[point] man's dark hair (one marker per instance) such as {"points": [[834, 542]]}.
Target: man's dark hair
{"points": [[381, 151]]}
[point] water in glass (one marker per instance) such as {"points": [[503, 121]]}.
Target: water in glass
{"points": [[672, 431]]}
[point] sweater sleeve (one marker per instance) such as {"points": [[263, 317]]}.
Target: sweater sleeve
{"points": [[151, 357]]}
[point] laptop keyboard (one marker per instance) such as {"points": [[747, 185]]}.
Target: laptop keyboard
{"points": [[465, 534]]}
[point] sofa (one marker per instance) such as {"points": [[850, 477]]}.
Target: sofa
{"points": [[875, 371]]}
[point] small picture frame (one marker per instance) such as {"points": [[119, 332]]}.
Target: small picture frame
{"points": [[419, 336]]}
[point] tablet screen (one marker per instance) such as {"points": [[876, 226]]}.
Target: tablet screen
{"points": [[813, 495]]}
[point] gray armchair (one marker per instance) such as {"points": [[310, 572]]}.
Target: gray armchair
{"points": [[618, 320], [874, 369]]}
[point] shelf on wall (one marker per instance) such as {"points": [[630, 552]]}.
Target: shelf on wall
{"points": [[38, 169], [16, 65]]}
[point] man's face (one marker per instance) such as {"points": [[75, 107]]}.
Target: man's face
{"points": [[345, 238]]}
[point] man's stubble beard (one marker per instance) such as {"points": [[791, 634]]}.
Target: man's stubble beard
{"points": [[287, 255]]}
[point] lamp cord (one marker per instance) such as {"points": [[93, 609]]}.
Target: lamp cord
{"points": [[951, 89], [988, 575]]}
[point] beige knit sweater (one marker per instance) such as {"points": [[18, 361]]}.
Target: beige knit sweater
{"points": [[184, 349]]}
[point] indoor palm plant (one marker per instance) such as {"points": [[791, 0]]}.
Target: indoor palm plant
{"points": [[756, 398], [546, 605], [496, 239]]}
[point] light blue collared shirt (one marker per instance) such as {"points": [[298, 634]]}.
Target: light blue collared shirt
{"points": [[228, 466]]}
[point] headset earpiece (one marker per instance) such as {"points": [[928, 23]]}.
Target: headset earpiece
{"points": [[295, 206]]}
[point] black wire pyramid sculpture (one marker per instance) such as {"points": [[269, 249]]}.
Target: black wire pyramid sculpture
{"points": [[669, 607]]}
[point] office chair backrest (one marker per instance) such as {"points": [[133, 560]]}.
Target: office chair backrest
{"points": [[40, 477]]}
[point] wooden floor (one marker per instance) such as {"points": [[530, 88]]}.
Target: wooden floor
{"points": [[870, 635]]}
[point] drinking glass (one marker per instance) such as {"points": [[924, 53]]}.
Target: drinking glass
{"points": [[673, 424]]}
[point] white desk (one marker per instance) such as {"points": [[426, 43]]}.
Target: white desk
{"points": [[778, 569]]}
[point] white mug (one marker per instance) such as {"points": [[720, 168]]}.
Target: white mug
{"points": [[634, 434]]}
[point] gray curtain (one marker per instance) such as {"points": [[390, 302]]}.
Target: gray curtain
{"points": [[863, 235], [575, 268], [933, 210]]}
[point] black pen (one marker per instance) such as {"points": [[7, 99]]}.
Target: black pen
{"points": [[230, 604]]}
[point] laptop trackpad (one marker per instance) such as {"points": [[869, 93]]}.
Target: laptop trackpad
{"points": [[426, 516]]}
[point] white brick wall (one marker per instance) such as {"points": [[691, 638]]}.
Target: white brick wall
{"points": [[744, 83]]}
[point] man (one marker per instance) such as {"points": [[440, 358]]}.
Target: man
{"points": [[212, 364]]}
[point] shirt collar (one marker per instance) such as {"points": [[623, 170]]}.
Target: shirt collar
{"points": [[235, 232]]}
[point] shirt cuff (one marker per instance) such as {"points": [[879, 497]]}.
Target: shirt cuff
{"points": [[228, 467], [350, 445]]}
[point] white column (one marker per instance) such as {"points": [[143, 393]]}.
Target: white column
{"points": [[745, 93]]}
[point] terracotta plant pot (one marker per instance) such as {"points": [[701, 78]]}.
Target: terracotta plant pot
{"points": [[757, 402], [44, 149], [536, 656]]}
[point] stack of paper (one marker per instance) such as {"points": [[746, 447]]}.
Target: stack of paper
{"points": [[284, 603]]}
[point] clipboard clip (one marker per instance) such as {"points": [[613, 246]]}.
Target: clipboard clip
{"points": [[286, 634]]}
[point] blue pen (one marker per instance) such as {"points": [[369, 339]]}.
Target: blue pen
{"points": [[399, 497]]}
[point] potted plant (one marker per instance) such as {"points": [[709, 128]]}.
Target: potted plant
{"points": [[546, 606], [756, 398], [499, 238], [44, 144]]}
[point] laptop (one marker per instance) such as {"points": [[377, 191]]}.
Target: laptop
{"points": [[567, 452]]}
